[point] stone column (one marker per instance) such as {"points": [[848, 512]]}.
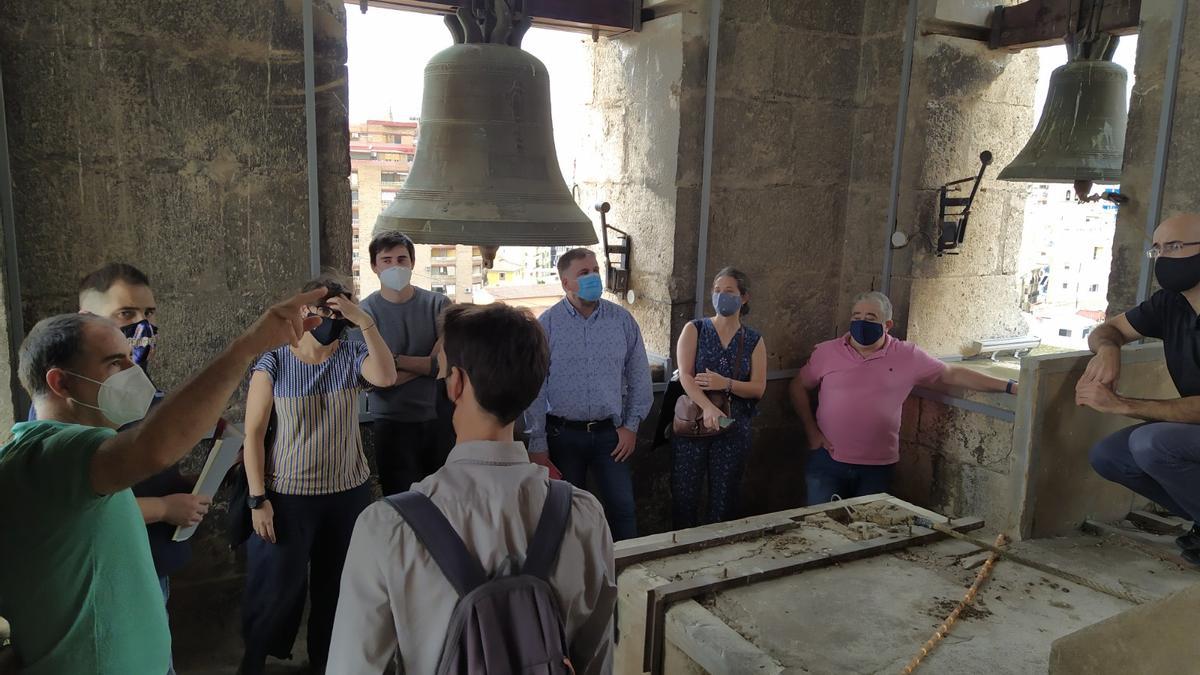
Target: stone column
{"points": [[1182, 191]]}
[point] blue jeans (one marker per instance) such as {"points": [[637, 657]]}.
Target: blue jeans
{"points": [[825, 477], [165, 584], [1158, 460], [574, 452]]}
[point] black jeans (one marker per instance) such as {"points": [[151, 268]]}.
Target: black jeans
{"points": [[309, 530], [407, 452]]}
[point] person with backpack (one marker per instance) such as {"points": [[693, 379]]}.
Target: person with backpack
{"points": [[308, 486], [486, 565]]}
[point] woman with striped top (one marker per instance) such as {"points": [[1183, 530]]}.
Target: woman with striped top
{"points": [[308, 487]]}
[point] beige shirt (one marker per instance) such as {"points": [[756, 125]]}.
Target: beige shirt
{"points": [[394, 596]]}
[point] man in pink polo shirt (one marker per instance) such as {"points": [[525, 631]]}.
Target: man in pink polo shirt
{"points": [[864, 378]]}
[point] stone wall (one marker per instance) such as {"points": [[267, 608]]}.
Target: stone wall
{"points": [[1182, 190], [173, 140], [806, 99], [964, 98], [629, 160]]}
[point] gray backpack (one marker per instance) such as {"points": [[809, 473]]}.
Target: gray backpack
{"points": [[508, 624]]}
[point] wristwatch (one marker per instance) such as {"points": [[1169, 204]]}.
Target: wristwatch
{"points": [[255, 502]]}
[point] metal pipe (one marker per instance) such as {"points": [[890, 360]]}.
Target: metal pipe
{"points": [[1166, 120], [910, 40], [12, 277], [710, 107], [310, 119]]}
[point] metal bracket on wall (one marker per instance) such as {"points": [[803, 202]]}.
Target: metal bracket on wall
{"points": [[952, 227], [617, 252], [659, 599]]}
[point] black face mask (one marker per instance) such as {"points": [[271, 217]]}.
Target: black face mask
{"points": [[330, 330], [1178, 274]]}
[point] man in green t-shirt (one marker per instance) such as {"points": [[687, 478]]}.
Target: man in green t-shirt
{"points": [[76, 578]]}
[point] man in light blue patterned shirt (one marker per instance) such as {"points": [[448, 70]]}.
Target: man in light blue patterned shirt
{"points": [[597, 393]]}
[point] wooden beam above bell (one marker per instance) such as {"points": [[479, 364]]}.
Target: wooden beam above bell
{"points": [[606, 17], [1039, 23]]}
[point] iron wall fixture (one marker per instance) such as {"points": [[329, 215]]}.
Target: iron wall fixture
{"points": [[954, 212], [486, 172], [617, 252]]}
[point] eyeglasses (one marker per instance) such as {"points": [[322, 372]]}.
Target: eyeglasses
{"points": [[326, 312], [1169, 248]]}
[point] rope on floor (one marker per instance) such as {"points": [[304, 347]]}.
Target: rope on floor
{"points": [[944, 629]]}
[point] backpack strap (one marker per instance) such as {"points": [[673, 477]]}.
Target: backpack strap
{"points": [[460, 568], [551, 527]]}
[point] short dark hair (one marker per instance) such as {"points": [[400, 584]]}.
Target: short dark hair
{"points": [[55, 342], [743, 283], [565, 260], [102, 279], [388, 240], [331, 281], [503, 350]]}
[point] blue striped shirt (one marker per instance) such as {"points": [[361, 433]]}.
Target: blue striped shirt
{"points": [[317, 448], [598, 370]]}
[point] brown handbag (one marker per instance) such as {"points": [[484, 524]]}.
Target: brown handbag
{"points": [[689, 417]]}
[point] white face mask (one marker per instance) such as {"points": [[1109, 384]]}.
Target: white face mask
{"points": [[396, 278], [124, 397]]}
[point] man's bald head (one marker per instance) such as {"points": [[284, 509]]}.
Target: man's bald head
{"points": [[1182, 228]]}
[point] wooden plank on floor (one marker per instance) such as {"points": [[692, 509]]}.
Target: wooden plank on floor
{"points": [[698, 539], [1156, 546], [1157, 524]]}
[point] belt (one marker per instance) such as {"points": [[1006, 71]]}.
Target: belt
{"points": [[596, 425]]}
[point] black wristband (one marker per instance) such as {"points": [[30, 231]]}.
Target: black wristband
{"points": [[1008, 387]]}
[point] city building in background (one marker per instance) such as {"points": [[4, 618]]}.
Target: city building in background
{"points": [[1068, 253], [381, 154]]}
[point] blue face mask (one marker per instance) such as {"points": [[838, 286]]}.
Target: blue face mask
{"points": [[866, 333], [591, 287], [727, 304]]}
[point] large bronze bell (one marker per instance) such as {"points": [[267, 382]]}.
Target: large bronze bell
{"points": [[1081, 135], [485, 171]]}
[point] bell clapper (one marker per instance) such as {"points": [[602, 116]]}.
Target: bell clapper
{"points": [[1083, 193]]}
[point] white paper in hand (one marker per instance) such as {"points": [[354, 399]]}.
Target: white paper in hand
{"points": [[220, 459]]}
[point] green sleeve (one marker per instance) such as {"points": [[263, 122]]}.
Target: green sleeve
{"points": [[63, 465]]}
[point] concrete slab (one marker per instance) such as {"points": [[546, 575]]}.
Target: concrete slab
{"points": [[873, 615], [1156, 638]]}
